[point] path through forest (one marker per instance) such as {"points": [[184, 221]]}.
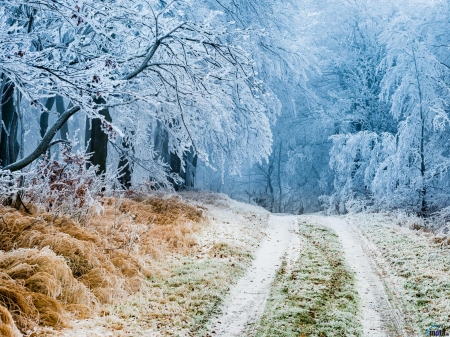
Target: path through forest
{"points": [[247, 299], [377, 316]]}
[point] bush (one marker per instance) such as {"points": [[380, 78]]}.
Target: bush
{"points": [[60, 187]]}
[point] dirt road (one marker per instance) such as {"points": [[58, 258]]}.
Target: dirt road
{"points": [[377, 317], [247, 299]]}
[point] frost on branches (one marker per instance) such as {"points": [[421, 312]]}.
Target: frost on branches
{"points": [[63, 187], [391, 151], [134, 66]]}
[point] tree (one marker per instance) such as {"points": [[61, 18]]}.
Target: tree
{"points": [[388, 156], [416, 86], [180, 73]]}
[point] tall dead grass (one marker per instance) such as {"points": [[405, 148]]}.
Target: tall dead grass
{"points": [[164, 224], [7, 326], [52, 270]]}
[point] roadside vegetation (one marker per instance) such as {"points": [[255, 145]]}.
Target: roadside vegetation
{"points": [[55, 269], [314, 297], [157, 264], [415, 266]]}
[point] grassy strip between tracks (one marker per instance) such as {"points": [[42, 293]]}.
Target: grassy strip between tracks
{"points": [[317, 296]]}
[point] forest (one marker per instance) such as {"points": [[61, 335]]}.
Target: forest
{"points": [[292, 105], [120, 119]]}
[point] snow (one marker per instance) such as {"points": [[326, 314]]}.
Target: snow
{"points": [[377, 317], [240, 227], [247, 300], [414, 267]]}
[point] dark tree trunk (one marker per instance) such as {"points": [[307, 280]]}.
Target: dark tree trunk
{"points": [[14, 146], [43, 120], [125, 164], [191, 167], [9, 147], [162, 142], [64, 131], [189, 158], [98, 139], [270, 186], [423, 190], [87, 134], [175, 167], [279, 178]]}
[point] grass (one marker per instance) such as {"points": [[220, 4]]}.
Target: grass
{"points": [[58, 269], [188, 282], [182, 299], [416, 266], [317, 297]]}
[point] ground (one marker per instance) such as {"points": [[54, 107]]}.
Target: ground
{"points": [[200, 264]]}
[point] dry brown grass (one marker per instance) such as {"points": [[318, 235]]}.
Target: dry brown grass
{"points": [[162, 211], [13, 297], [164, 225], [7, 326], [53, 269], [36, 287]]}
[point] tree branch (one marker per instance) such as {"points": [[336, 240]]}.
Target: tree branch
{"points": [[45, 143], [151, 53], [144, 63]]}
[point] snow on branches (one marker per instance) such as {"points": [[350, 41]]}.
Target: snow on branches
{"points": [[149, 63]]}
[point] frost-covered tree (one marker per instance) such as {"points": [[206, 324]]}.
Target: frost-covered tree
{"points": [[400, 160], [354, 80], [416, 85], [142, 64], [286, 58]]}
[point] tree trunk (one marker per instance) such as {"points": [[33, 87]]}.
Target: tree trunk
{"points": [[191, 166], [9, 148], [98, 139], [175, 167], [269, 184], [43, 120], [162, 142], [87, 136], [423, 190], [19, 112], [190, 159], [126, 165], [64, 131], [279, 177], [14, 146]]}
